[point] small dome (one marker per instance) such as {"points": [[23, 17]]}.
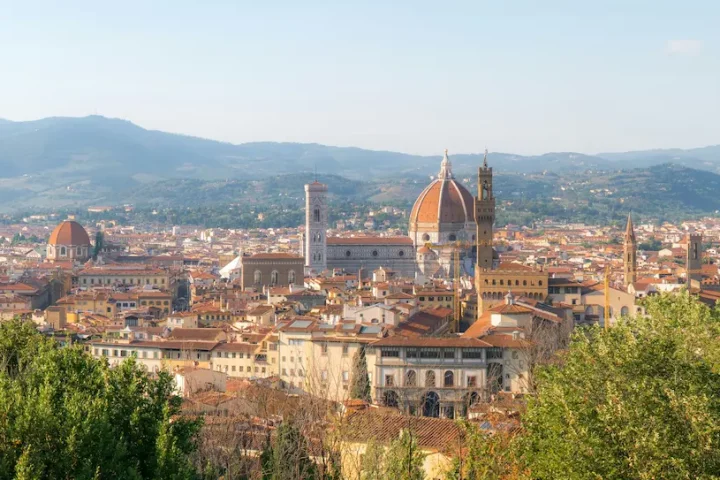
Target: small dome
{"points": [[69, 233], [444, 201]]}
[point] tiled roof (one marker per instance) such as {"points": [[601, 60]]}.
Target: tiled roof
{"points": [[431, 433]]}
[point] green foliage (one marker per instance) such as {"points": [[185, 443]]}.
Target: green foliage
{"points": [[652, 245], [404, 459], [99, 244], [373, 462], [288, 458], [484, 456], [637, 401], [66, 415], [360, 380]]}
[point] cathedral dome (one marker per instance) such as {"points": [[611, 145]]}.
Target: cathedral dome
{"points": [[69, 233], [444, 205]]}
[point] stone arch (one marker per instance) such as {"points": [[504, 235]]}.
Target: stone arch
{"points": [[391, 399], [430, 379], [449, 379], [431, 405], [411, 378]]}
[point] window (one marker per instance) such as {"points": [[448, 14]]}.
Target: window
{"points": [[448, 354], [494, 353], [257, 277], [473, 353], [430, 378], [401, 253], [324, 348], [233, 368], [515, 355], [410, 378], [291, 277], [449, 379], [324, 375], [392, 353], [316, 215], [274, 277], [249, 369], [430, 353], [426, 237], [472, 381], [375, 253], [389, 381], [345, 376], [411, 353], [345, 349], [347, 253], [431, 299]]}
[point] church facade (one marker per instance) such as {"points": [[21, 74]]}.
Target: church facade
{"points": [[442, 222]]}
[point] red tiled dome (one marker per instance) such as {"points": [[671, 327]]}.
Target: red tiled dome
{"points": [[445, 200], [69, 233]]}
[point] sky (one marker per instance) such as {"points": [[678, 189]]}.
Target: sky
{"points": [[518, 76]]}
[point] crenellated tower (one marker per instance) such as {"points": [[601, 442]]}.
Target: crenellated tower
{"points": [[485, 216], [630, 253]]}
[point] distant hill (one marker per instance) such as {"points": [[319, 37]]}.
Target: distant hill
{"points": [[60, 161]]}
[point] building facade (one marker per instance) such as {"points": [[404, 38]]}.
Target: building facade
{"points": [[271, 270]]}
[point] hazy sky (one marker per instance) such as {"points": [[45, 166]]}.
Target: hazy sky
{"points": [[411, 76]]}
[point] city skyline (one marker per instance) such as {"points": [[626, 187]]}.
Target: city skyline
{"points": [[522, 79]]}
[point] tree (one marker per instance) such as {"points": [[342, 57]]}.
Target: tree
{"points": [[67, 415], [484, 456], [99, 244], [372, 467], [637, 401], [288, 458], [360, 381], [404, 459]]}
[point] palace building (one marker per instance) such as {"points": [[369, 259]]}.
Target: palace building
{"points": [[493, 280]]}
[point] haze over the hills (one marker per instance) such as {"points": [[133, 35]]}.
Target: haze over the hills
{"points": [[62, 160]]}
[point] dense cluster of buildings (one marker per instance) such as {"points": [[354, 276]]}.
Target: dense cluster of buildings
{"points": [[450, 315]]}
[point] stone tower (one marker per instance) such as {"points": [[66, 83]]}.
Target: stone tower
{"points": [[630, 253], [485, 216], [316, 222], [694, 262]]}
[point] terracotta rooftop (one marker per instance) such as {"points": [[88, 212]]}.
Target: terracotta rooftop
{"points": [[69, 233]]}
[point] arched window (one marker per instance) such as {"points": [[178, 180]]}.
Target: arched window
{"points": [[449, 379], [624, 312], [426, 237], [524, 283], [274, 277], [517, 283], [316, 215], [540, 283], [430, 378], [502, 282], [493, 281], [410, 378], [291, 277], [63, 251], [258, 277]]}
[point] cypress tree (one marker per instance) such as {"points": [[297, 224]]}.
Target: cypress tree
{"points": [[360, 381]]}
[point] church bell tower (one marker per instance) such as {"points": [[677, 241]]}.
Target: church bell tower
{"points": [[485, 216], [316, 224], [630, 253]]}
